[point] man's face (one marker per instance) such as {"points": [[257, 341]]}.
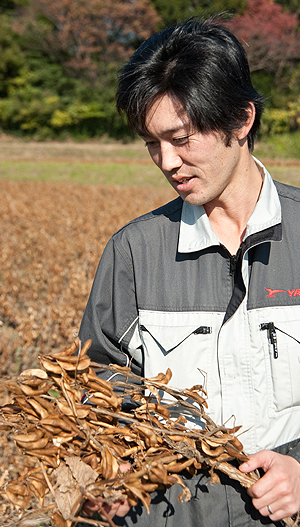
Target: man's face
{"points": [[200, 167]]}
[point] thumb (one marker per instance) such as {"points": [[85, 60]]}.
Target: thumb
{"points": [[262, 459]]}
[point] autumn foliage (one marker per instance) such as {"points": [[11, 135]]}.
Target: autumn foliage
{"points": [[82, 35], [269, 34], [59, 59]]}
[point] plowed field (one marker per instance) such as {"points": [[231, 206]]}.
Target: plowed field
{"points": [[52, 236]]}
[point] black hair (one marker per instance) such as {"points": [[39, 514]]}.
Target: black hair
{"points": [[204, 67]]}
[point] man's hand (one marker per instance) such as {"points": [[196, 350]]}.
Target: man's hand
{"points": [[118, 508], [279, 487]]}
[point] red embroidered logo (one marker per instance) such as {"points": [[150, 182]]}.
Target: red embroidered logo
{"points": [[273, 292]]}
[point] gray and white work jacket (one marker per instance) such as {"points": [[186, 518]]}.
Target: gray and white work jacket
{"points": [[168, 293]]}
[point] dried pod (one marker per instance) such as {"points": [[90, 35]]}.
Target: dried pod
{"points": [[235, 453], [112, 399], [38, 488], [186, 439], [33, 445], [81, 410], [195, 396], [23, 404], [159, 409], [58, 520], [139, 493], [149, 487], [148, 436], [38, 407], [92, 460], [59, 422], [109, 464], [101, 384], [163, 378], [68, 365], [158, 473], [13, 387], [68, 351], [19, 499], [31, 435], [49, 364], [213, 452], [28, 390], [179, 467], [236, 443], [34, 373]]}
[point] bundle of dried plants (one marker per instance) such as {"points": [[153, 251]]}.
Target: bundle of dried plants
{"points": [[79, 448]]}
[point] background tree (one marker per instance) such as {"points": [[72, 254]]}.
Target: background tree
{"points": [[269, 34], [178, 10], [85, 36], [11, 55], [291, 5], [59, 59], [10, 5], [73, 50]]}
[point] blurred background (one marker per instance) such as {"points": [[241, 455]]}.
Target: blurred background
{"points": [[59, 60]]}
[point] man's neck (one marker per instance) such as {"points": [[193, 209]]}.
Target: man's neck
{"points": [[229, 216]]}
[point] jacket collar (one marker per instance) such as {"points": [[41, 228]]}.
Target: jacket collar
{"points": [[197, 234]]}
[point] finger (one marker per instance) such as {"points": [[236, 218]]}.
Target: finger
{"points": [[277, 513], [263, 489], [262, 504], [275, 506], [89, 507], [262, 459], [118, 508], [125, 466]]}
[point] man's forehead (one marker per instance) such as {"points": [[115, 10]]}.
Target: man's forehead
{"points": [[167, 115]]}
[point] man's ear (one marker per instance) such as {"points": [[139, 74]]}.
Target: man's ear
{"points": [[245, 129]]}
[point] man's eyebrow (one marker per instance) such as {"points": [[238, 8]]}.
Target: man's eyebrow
{"points": [[162, 132]]}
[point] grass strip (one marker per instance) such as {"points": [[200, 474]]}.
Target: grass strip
{"points": [[127, 174], [84, 173]]}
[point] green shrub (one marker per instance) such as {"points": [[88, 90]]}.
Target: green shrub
{"points": [[280, 120]]}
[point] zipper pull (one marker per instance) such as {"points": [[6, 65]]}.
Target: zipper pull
{"points": [[203, 330], [269, 326]]}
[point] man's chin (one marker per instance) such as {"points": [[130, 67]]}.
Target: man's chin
{"points": [[191, 199]]}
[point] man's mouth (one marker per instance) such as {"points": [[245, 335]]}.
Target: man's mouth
{"points": [[182, 181]]}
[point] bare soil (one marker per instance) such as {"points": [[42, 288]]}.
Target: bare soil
{"points": [[52, 236]]}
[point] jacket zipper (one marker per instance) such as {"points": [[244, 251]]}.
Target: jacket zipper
{"points": [[233, 260], [271, 328]]}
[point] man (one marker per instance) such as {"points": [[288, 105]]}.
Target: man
{"points": [[208, 285]]}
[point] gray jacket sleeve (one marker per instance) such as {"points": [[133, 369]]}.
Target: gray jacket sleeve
{"points": [[290, 449], [110, 319]]}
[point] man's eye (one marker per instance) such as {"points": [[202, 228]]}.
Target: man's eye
{"points": [[150, 143], [180, 140]]}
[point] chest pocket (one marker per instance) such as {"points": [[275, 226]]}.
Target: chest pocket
{"points": [[281, 344], [201, 330], [183, 342]]}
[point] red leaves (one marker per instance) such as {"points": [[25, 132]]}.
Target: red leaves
{"points": [[269, 35], [83, 34]]}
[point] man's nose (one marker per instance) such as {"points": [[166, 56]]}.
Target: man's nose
{"points": [[169, 157]]}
